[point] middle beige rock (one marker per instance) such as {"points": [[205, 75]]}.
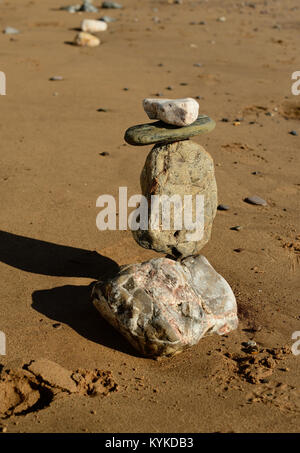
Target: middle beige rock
{"points": [[179, 184]]}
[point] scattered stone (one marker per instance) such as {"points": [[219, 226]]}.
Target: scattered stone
{"points": [[102, 110], [223, 207], [256, 200], [104, 153], [225, 120], [162, 306], [57, 325], [11, 31], [71, 9], [198, 65], [179, 168], [111, 5], [236, 228], [56, 78], [84, 39], [159, 132], [108, 19], [93, 26], [86, 6], [257, 172], [178, 112], [293, 133], [221, 19], [238, 250]]}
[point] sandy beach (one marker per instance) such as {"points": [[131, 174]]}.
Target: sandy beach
{"points": [[62, 146]]}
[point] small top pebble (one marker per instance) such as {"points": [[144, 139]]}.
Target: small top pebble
{"points": [[178, 112]]}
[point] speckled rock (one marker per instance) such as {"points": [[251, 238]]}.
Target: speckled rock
{"points": [[163, 307], [178, 169], [160, 132], [179, 112]]}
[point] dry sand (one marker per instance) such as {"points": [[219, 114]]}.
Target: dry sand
{"points": [[52, 172]]}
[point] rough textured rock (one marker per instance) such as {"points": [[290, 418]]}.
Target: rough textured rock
{"points": [[160, 132], [163, 307], [86, 40], [182, 169], [93, 26], [179, 112]]}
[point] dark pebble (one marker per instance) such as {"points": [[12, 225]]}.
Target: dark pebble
{"points": [[293, 133], [101, 110], [223, 207], [239, 250], [236, 228], [225, 120], [104, 153], [256, 172], [56, 325]]}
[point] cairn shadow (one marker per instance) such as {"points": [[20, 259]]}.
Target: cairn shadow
{"points": [[69, 304], [46, 258], [72, 305]]}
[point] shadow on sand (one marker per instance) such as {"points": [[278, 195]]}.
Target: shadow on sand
{"points": [[69, 304]]}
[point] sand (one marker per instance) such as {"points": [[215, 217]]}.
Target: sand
{"points": [[52, 172]]}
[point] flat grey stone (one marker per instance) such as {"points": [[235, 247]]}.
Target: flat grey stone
{"points": [[159, 132], [162, 306]]}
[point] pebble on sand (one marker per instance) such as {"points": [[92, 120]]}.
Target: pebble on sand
{"points": [[85, 7], [84, 39], [256, 200], [223, 207], [178, 112], [56, 78], [93, 26], [11, 31], [111, 5], [293, 133], [107, 19]]}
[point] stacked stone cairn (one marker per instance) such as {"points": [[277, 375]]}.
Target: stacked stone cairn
{"points": [[167, 304]]}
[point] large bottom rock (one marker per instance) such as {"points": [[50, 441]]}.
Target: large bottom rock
{"points": [[163, 307]]}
